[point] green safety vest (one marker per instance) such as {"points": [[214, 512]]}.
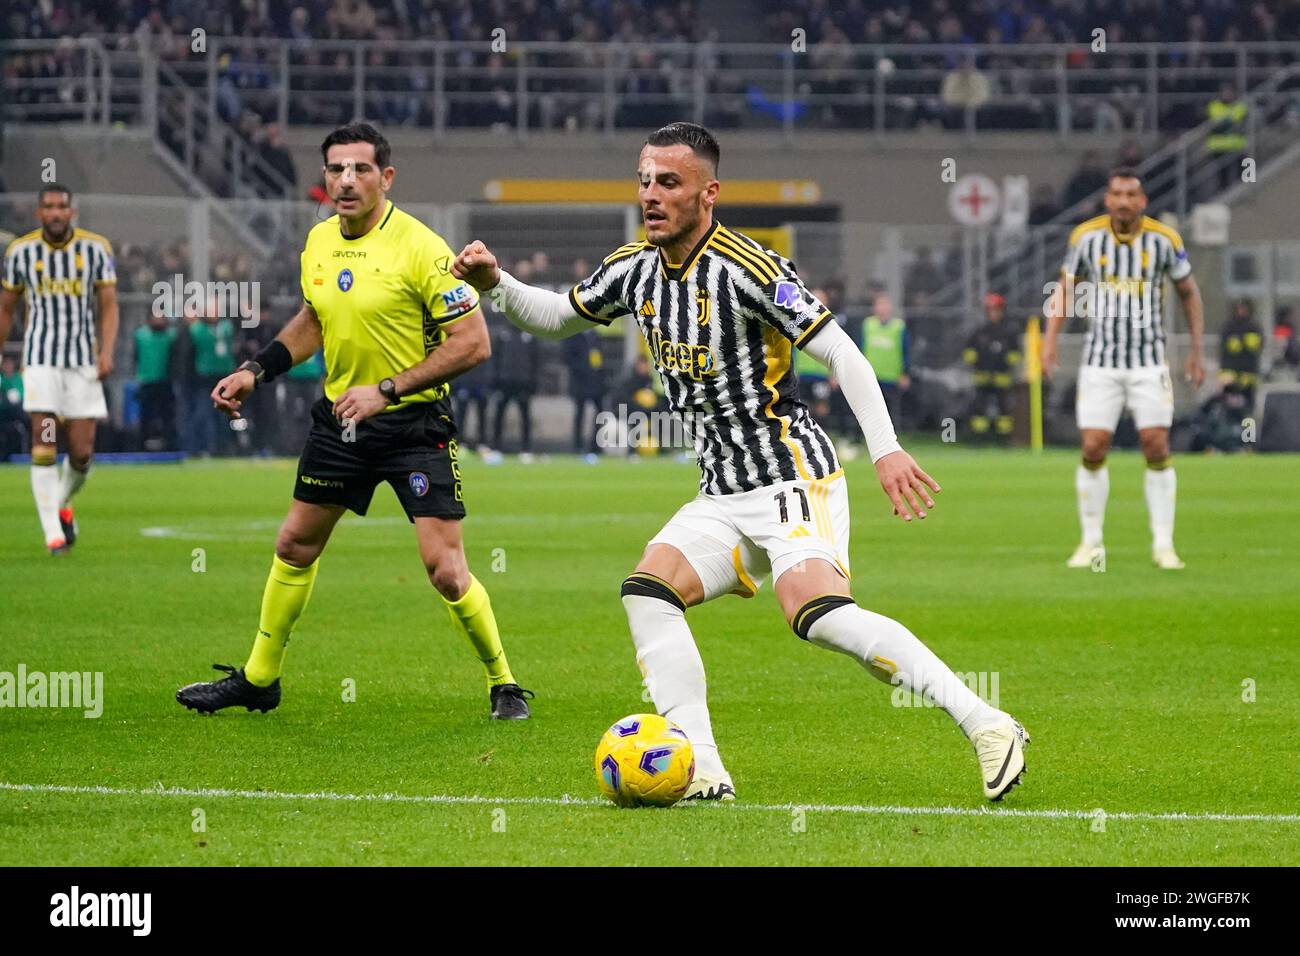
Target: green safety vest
{"points": [[882, 344], [11, 389], [213, 347], [1234, 142], [153, 349]]}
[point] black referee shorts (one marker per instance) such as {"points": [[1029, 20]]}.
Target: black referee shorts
{"points": [[412, 448]]}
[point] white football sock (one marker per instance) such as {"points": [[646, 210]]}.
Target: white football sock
{"points": [[45, 489], [893, 654], [674, 673], [1162, 490], [1093, 488], [70, 482]]}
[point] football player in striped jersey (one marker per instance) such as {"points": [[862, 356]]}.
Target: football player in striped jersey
{"points": [[1114, 274], [67, 277], [722, 316]]}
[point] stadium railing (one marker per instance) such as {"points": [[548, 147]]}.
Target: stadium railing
{"points": [[1176, 177], [608, 86]]}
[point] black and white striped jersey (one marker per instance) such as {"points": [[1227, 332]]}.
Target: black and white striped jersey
{"points": [[1118, 284], [721, 327], [59, 284]]}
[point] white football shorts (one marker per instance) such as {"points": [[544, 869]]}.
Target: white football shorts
{"points": [[65, 392], [734, 541], [1103, 393]]}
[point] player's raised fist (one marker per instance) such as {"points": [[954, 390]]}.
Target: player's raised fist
{"points": [[478, 266]]}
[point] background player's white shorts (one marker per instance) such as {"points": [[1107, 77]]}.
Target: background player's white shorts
{"points": [[1102, 394], [66, 392], [734, 541]]}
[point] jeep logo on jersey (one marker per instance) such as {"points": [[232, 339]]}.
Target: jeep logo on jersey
{"points": [[787, 295], [345, 279], [419, 483], [697, 361]]}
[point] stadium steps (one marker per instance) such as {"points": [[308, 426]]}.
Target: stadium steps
{"points": [[207, 156]]}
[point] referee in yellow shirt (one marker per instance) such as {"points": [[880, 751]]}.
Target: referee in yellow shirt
{"points": [[396, 327]]}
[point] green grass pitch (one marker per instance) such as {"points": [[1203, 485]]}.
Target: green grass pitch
{"points": [[1135, 684]]}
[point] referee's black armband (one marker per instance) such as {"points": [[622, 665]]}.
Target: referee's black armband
{"points": [[275, 359]]}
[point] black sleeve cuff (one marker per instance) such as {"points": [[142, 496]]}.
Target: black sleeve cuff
{"points": [[275, 359]]}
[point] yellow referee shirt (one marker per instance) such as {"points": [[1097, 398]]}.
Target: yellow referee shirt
{"points": [[383, 300]]}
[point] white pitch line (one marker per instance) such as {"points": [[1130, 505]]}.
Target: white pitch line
{"points": [[567, 801]]}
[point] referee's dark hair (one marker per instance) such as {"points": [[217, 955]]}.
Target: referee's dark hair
{"points": [[1125, 172], [359, 133], [54, 188], [699, 139]]}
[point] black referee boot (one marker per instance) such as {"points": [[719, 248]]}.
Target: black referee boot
{"points": [[233, 691], [510, 702]]}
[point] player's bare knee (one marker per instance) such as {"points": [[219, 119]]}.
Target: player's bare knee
{"points": [[1094, 451], [80, 460], [1155, 448]]}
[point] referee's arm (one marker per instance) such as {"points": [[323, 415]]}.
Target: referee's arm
{"points": [[302, 334], [301, 338], [465, 344]]}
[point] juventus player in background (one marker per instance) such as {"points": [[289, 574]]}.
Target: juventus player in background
{"points": [[721, 316], [67, 276], [1123, 258]]}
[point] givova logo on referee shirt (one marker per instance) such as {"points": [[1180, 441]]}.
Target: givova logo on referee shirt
{"points": [[697, 361]]}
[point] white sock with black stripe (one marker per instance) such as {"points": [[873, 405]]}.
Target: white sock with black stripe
{"points": [[893, 654], [671, 664]]}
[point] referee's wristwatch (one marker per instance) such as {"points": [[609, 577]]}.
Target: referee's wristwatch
{"points": [[388, 388], [259, 373]]}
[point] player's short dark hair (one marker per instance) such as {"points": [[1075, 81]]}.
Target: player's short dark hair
{"points": [[1125, 172], [53, 188], [359, 133], [700, 140]]}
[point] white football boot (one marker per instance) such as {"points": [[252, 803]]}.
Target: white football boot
{"points": [[1087, 556], [1166, 559], [704, 788], [1001, 751]]}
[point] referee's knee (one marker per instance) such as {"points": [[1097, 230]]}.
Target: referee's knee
{"points": [[291, 549], [450, 578]]}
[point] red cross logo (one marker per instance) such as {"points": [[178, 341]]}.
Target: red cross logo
{"points": [[974, 199]]}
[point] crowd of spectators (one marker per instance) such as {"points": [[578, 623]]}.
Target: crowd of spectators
{"points": [[834, 86]]}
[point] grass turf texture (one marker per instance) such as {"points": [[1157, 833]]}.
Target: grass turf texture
{"points": [[1130, 681]]}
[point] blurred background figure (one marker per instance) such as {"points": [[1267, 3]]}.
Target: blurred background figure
{"points": [[472, 391], [13, 420], [302, 387], [588, 385], [153, 374], [212, 352], [1241, 342], [1227, 144], [1219, 421], [640, 392], [885, 344], [515, 364], [993, 354]]}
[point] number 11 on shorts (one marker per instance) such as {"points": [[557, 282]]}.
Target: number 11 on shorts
{"points": [[803, 505]]}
